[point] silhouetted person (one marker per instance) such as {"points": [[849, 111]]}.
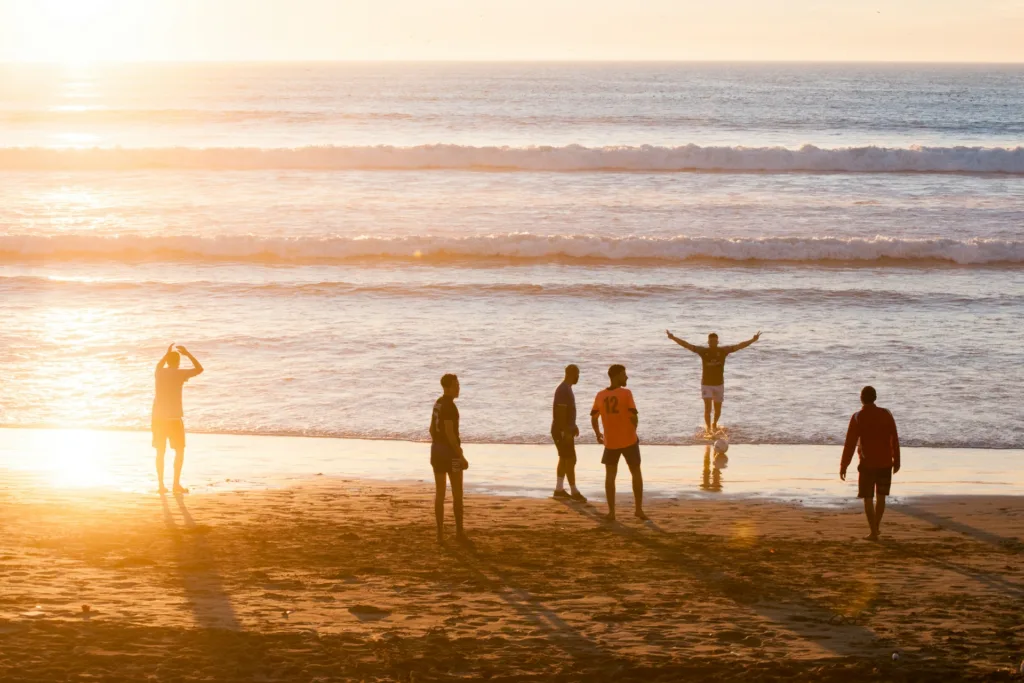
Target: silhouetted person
{"points": [[446, 455], [872, 433], [168, 424], [564, 432], [712, 379], [618, 413]]}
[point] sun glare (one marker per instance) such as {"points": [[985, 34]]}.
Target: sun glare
{"points": [[74, 31]]}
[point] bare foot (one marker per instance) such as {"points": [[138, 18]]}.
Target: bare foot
{"points": [[178, 488], [440, 537], [162, 490], [871, 537], [610, 517], [639, 514]]}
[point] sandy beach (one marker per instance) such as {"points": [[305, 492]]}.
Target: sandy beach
{"points": [[336, 579]]}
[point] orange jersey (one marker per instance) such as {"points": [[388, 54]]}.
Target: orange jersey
{"points": [[616, 408]]}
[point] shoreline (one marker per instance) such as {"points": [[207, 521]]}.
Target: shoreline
{"points": [[123, 460], [341, 580]]}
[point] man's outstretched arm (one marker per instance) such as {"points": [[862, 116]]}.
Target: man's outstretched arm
{"points": [[682, 342], [743, 345], [163, 361], [195, 363]]}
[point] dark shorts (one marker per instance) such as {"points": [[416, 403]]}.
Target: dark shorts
{"points": [[566, 449], [630, 453], [441, 457], [168, 430], [872, 480]]}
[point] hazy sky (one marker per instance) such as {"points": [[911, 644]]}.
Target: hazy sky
{"points": [[894, 30]]}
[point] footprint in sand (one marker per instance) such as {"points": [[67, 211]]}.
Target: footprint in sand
{"points": [[368, 613]]}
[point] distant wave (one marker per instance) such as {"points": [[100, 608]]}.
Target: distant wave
{"points": [[572, 158], [513, 246]]}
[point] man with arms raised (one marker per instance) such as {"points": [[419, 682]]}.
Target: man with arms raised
{"points": [[712, 380], [564, 432], [617, 411], [446, 455], [168, 424], [874, 429]]}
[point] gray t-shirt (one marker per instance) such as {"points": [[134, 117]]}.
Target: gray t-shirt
{"points": [[167, 402]]}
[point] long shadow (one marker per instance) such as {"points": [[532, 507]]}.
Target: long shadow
{"points": [[741, 591], [203, 586], [1002, 542], [569, 639]]}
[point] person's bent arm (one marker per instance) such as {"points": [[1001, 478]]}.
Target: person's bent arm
{"points": [[849, 446], [196, 365], [597, 428], [453, 439], [163, 361], [682, 342]]}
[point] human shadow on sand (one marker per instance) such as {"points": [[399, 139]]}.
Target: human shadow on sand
{"points": [[796, 612], [202, 584]]}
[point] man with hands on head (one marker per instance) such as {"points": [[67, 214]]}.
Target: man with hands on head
{"points": [[167, 422], [712, 380]]}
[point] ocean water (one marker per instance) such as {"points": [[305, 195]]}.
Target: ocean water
{"points": [[330, 239]]}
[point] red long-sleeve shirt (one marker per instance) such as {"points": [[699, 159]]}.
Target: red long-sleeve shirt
{"points": [[875, 429]]}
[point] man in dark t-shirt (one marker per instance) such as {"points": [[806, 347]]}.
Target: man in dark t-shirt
{"points": [[446, 456], [712, 380], [872, 433], [564, 432]]}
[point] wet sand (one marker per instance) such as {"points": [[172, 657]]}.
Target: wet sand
{"points": [[338, 580]]}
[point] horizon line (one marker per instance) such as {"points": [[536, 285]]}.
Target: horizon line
{"points": [[122, 62]]}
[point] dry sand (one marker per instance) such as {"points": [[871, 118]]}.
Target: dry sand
{"points": [[342, 580]]}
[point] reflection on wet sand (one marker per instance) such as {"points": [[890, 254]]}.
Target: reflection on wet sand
{"points": [[712, 476]]}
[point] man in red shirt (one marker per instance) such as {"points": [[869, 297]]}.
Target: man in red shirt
{"points": [[879, 449], [614, 406]]}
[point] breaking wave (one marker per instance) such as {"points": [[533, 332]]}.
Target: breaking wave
{"points": [[572, 158], [512, 246]]}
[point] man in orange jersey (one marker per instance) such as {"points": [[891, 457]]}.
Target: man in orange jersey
{"points": [[618, 413]]}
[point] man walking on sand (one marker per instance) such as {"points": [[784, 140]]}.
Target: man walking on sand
{"points": [[564, 432], [446, 456], [879, 448], [712, 380], [167, 422], [617, 411]]}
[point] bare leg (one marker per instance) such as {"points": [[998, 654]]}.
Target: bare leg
{"points": [[610, 471], [869, 511], [879, 511], [718, 414], [707, 414], [638, 491], [570, 474], [456, 478], [440, 483], [160, 451], [179, 460], [560, 470]]}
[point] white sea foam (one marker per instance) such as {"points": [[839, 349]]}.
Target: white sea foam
{"points": [[572, 158], [524, 246]]}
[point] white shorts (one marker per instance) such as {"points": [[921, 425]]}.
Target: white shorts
{"points": [[715, 393]]}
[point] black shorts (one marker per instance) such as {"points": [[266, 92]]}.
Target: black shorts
{"points": [[168, 430], [566, 449], [442, 457], [872, 480], [630, 453]]}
